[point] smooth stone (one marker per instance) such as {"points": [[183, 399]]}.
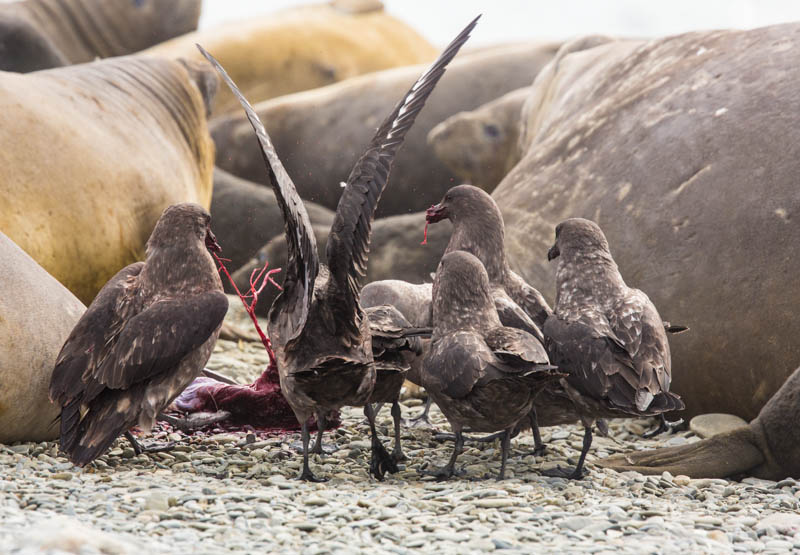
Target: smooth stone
{"points": [[576, 523], [707, 425], [785, 523]]}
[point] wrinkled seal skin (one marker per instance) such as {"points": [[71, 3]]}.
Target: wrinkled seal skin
{"points": [[769, 448], [36, 315], [90, 155], [668, 155], [321, 150], [302, 48], [480, 146], [246, 217], [395, 253], [40, 34]]}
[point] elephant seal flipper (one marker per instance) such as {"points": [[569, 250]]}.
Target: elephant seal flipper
{"points": [[768, 448], [721, 456]]}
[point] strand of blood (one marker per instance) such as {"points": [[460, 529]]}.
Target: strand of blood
{"points": [[425, 239], [255, 289]]}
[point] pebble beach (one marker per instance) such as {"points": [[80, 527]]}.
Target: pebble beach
{"points": [[222, 491]]}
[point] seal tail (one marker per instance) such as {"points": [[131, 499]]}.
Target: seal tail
{"points": [[720, 456]]}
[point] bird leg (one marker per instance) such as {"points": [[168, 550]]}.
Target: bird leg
{"points": [[449, 470], [306, 474], [317, 449], [397, 452], [539, 448], [422, 420], [577, 473], [194, 421], [505, 447], [138, 448], [663, 426], [380, 462]]}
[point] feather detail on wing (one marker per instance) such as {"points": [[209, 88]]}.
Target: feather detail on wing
{"points": [[89, 343], [348, 243], [303, 259], [605, 366]]}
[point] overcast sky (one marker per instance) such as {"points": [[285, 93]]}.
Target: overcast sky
{"points": [[508, 20]]}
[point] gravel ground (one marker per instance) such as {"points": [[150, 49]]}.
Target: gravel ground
{"points": [[222, 492]]}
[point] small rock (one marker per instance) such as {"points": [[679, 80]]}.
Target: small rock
{"points": [[707, 425]]}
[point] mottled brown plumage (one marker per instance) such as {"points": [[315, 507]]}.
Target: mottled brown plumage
{"points": [[478, 229], [482, 375], [606, 335], [321, 335], [143, 339]]}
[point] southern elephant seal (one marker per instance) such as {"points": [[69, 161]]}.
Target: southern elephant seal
{"points": [[767, 448], [36, 315], [90, 155], [320, 150], [666, 151], [246, 216], [302, 48], [40, 34], [480, 145], [395, 253]]}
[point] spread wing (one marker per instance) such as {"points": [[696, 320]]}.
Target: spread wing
{"points": [[89, 341], [348, 243], [303, 262], [158, 338]]}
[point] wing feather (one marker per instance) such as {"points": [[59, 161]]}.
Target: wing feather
{"points": [[303, 259], [348, 243]]}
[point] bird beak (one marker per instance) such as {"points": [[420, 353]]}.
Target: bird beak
{"points": [[553, 253], [436, 213], [211, 241]]}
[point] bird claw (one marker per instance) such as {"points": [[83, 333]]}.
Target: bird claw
{"points": [[381, 462], [421, 421], [663, 426], [566, 473], [308, 476]]}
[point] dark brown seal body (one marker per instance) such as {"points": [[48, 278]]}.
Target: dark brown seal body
{"points": [[143, 339], [679, 123], [320, 150], [769, 448], [319, 330], [481, 375]]}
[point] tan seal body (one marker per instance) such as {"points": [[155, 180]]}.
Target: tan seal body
{"points": [[90, 155], [685, 152], [78, 31], [36, 315], [320, 149], [302, 48]]}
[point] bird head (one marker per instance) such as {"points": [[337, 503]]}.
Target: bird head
{"points": [[463, 202], [181, 222], [578, 236]]}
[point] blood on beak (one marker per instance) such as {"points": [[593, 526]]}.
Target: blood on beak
{"points": [[211, 241], [436, 213], [553, 252]]}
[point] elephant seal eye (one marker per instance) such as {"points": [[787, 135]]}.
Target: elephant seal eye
{"points": [[491, 130]]}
